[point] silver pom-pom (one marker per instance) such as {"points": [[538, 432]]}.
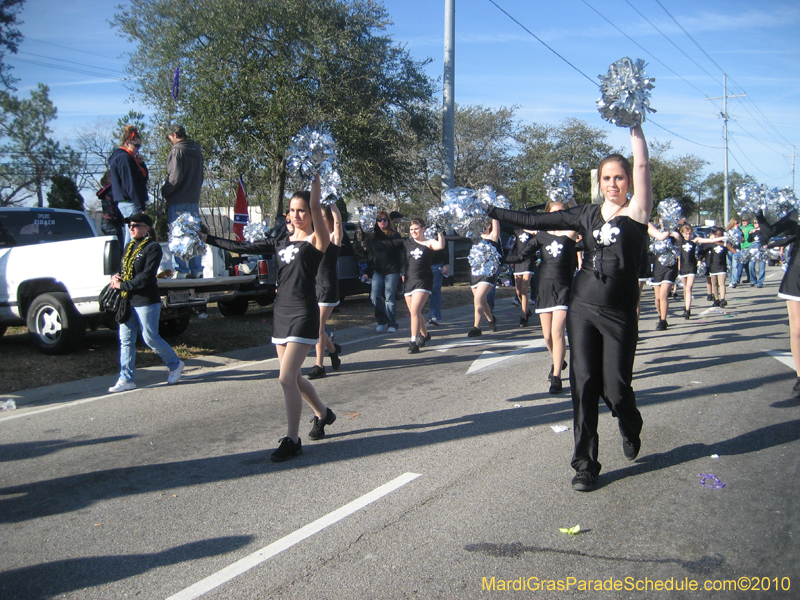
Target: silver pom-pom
{"points": [[431, 233], [758, 252], [747, 199], [625, 90], [367, 216], [502, 202], [702, 269], [184, 237], [464, 213], [484, 259], [330, 184], [670, 212], [255, 232], [309, 150], [734, 237], [738, 258], [558, 183], [665, 251]]}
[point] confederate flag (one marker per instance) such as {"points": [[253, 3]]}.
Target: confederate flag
{"points": [[240, 215]]}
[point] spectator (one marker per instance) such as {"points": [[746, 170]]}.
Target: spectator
{"points": [[182, 190], [129, 176], [112, 218]]}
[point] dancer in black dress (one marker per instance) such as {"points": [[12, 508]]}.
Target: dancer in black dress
{"points": [[523, 271], [483, 284], [664, 276], [328, 292], [789, 289], [687, 266], [602, 323], [553, 287], [418, 279], [716, 255], [295, 311]]}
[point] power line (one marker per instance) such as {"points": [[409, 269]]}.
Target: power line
{"points": [[71, 62], [690, 37], [65, 68], [27, 39]]}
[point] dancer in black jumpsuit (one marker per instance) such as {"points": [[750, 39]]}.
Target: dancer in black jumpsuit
{"points": [[602, 324]]}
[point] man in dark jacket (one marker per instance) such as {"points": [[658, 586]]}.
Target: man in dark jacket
{"points": [[182, 189]]}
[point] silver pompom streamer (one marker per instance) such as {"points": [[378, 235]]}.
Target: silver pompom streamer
{"points": [[502, 202], [463, 212], [625, 89], [436, 219], [702, 269], [665, 251], [367, 216], [431, 233], [734, 237], [738, 257], [747, 199], [184, 237], [774, 203], [255, 232], [484, 259], [309, 150], [330, 184], [670, 212], [558, 183], [758, 252]]}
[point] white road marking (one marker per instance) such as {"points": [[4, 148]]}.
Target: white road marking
{"points": [[491, 359], [782, 356], [256, 558]]}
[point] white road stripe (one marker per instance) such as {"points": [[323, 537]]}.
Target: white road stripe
{"points": [[782, 356], [260, 556], [490, 359]]}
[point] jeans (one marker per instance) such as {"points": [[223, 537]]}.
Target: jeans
{"points": [[745, 269], [146, 319], [384, 288], [736, 267], [757, 272], [490, 298], [195, 265], [436, 292], [127, 209]]}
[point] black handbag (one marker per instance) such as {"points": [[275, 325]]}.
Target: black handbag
{"points": [[123, 311], [109, 299]]}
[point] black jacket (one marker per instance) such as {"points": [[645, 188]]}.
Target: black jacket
{"points": [[384, 258], [143, 287], [128, 184]]}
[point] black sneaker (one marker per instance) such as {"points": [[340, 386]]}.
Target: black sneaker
{"points": [[550, 374], [475, 332], [631, 449], [710, 297], [687, 314], [318, 429], [413, 348], [723, 303], [796, 388], [716, 303], [336, 362], [493, 324], [523, 322], [661, 325], [287, 449], [555, 385], [316, 372], [424, 340], [583, 481]]}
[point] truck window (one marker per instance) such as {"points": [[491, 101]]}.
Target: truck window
{"points": [[25, 228]]}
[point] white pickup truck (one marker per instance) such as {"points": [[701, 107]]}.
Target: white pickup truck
{"points": [[53, 266]]}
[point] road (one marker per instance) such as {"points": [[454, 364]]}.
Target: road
{"points": [[443, 476]]}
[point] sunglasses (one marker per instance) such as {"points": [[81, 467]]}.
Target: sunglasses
{"points": [[135, 225], [135, 145], [382, 220]]}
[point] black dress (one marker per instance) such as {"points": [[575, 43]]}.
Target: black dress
{"points": [[526, 266], [418, 274], [717, 259], [476, 280], [665, 273], [556, 271], [688, 264], [328, 277]]}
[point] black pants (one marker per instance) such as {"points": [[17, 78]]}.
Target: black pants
{"points": [[602, 346]]}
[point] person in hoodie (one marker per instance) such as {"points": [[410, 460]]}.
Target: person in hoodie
{"points": [[182, 190], [129, 176]]}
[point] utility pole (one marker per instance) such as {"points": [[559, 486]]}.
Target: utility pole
{"points": [[448, 113], [725, 117], [794, 155]]}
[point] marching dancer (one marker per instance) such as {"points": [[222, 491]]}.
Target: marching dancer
{"points": [[483, 284], [664, 276]]}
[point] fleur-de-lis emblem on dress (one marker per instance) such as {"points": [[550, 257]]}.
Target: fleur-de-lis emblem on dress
{"points": [[524, 237], [687, 247], [288, 253], [719, 249], [606, 235], [416, 253], [554, 248]]}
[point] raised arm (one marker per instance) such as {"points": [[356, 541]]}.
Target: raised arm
{"points": [[321, 237], [338, 231], [655, 232], [642, 201], [438, 243]]}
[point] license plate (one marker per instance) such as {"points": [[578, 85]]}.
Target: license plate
{"points": [[178, 297]]}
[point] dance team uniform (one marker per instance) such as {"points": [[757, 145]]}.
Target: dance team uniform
{"points": [[665, 273], [328, 277], [556, 270], [418, 274], [790, 284], [688, 261], [602, 325], [523, 266], [476, 280], [717, 259], [295, 310]]}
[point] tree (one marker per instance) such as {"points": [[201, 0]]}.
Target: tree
{"points": [[10, 37], [63, 193], [254, 73], [30, 157], [678, 178], [713, 201], [573, 142]]}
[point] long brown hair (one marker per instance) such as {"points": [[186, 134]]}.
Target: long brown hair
{"points": [[382, 214], [129, 132], [626, 166]]}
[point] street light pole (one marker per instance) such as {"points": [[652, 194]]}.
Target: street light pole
{"points": [[448, 112]]}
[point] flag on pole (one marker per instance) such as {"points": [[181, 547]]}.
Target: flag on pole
{"points": [[240, 214], [176, 83]]}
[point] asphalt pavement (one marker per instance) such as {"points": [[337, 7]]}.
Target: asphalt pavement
{"points": [[445, 475]]}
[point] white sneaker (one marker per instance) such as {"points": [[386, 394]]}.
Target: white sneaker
{"points": [[180, 275], [122, 386], [392, 330], [380, 329], [175, 374], [434, 321]]}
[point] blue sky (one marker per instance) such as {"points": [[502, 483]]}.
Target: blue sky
{"points": [[687, 45]]}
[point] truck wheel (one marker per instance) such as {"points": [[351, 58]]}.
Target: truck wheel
{"points": [[173, 327], [55, 326], [2, 331], [233, 308]]}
